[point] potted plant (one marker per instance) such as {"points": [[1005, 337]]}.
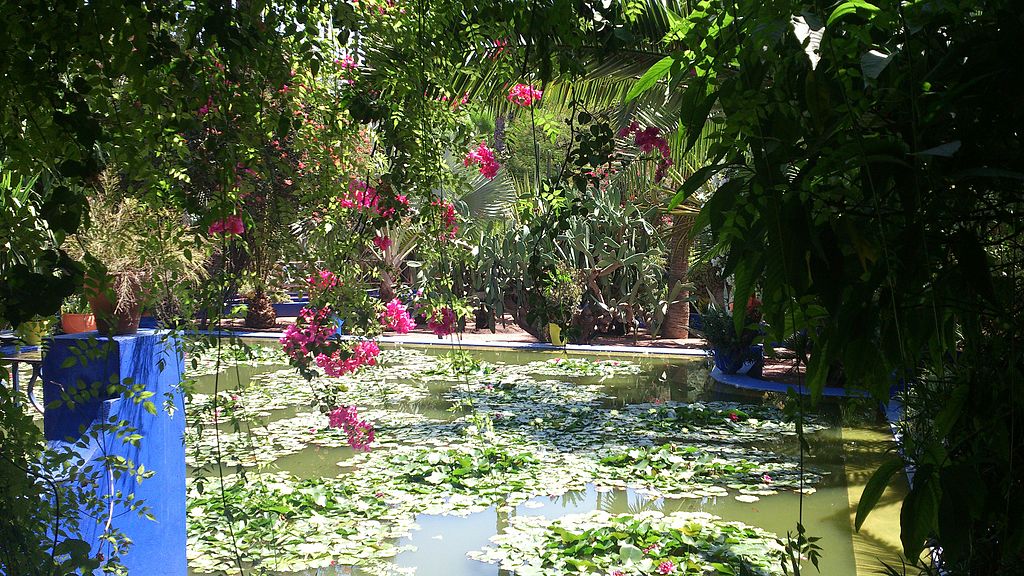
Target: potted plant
{"points": [[562, 292], [134, 254], [734, 353], [76, 316], [31, 332]]}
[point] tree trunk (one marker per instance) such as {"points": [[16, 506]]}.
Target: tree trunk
{"points": [[387, 286], [677, 317], [260, 312]]}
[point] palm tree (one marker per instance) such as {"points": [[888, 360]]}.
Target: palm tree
{"points": [[605, 85]]}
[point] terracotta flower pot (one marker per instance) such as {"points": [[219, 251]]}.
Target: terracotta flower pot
{"points": [[111, 319], [77, 323]]}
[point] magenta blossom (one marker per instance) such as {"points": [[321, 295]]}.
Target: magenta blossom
{"points": [[648, 140], [666, 567], [396, 317], [230, 226], [524, 95], [382, 243], [323, 280], [449, 220], [339, 363], [360, 432], [483, 156], [442, 322]]}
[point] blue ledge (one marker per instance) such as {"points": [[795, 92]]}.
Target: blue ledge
{"points": [[423, 340], [748, 383]]}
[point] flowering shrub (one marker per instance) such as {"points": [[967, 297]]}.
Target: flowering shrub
{"points": [[483, 156], [396, 317], [524, 95], [307, 335], [312, 339], [232, 225], [360, 432], [649, 139]]}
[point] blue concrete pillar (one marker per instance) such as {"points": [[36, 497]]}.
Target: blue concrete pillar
{"points": [[151, 361]]}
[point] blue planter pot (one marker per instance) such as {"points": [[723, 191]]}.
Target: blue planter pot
{"points": [[288, 308], [732, 361], [696, 322]]}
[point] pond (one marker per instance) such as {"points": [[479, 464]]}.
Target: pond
{"points": [[485, 460]]}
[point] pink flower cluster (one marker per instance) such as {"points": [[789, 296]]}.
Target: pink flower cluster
{"points": [[346, 62], [451, 220], [206, 108], [666, 567], [396, 317], [382, 243], [483, 156], [227, 226], [647, 140], [442, 322], [310, 331], [323, 280], [359, 196], [500, 44], [456, 101], [360, 432], [524, 95], [340, 362]]}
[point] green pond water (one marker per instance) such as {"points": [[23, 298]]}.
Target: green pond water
{"points": [[277, 431]]}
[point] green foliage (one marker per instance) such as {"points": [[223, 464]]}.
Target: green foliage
{"points": [[562, 291], [645, 543], [458, 363], [873, 193], [36, 274], [463, 469], [609, 242]]}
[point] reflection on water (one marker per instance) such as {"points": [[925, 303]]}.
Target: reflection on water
{"points": [[848, 454]]}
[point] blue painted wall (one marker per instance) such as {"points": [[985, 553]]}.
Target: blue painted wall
{"points": [[150, 358]]}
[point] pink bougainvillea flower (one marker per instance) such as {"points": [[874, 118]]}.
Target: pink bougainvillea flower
{"points": [[340, 362], [310, 331], [524, 95], [323, 280], [360, 432], [442, 322], [648, 140], [232, 225], [382, 243], [450, 221], [360, 195], [483, 156], [396, 317]]}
